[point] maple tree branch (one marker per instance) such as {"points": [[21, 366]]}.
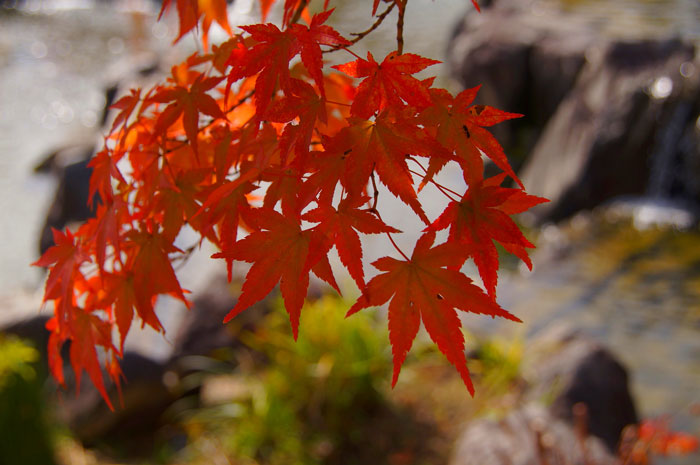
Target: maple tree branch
{"points": [[240, 102], [297, 13], [376, 193], [399, 26], [361, 35], [185, 256]]}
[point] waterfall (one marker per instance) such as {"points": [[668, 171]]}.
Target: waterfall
{"points": [[663, 171]]}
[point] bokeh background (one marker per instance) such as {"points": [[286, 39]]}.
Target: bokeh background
{"points": [[611, 134]]}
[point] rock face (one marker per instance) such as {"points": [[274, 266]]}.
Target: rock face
{"points": [[202, 332], [528, 436], [604, 117], [71, 201], [145, 397], [614, 126], [592, 404], [580, 371]]}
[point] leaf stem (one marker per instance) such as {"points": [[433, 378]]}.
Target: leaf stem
{"points": [[442, 188], [240, 102], [376, 212], [333, 102], [397, 247]]}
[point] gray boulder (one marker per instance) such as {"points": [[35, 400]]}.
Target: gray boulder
{"points": [[527, 436], [576, 370], [618, 129], [589, 404], [604, 117]]}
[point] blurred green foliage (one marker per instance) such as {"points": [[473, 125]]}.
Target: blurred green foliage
{"points": [[24, 432], [320, 399], [498, 364]]}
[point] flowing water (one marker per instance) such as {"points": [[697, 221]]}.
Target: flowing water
{"points": [[638, 291]]}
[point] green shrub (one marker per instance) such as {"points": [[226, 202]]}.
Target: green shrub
{"points": [[24, 434], [320, 399]]}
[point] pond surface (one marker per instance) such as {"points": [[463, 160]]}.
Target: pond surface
{"points": [[638, 291]]}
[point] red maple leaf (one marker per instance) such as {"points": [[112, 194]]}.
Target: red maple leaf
{"points": [[387, 84], [151, 273], [104, 170], [222, 208], [190, 11], [382, 146], [481, 217], [188, 15], [341, 227], [459, 127], [265, 6], [189, 103], [309, 41], [425, 288], [65, 258], [126, 104], [303, 103], [106, 228], [268, 59], [280, 252], [213, 10], [90, 332]]}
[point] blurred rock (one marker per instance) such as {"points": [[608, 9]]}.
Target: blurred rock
{"points": [[202, 332], [578, 370], [145, 399], [612, 128], [604, 117], [524, 64], [30, 328], [528, 436], [70, 203], [590, 405]]}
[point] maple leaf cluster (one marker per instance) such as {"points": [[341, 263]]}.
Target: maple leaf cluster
{"points": [[276, 162]]}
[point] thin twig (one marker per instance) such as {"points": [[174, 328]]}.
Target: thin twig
{"points": [[361, 35], [297, 14], [399, 26], [396, 246], [376, 192]]}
